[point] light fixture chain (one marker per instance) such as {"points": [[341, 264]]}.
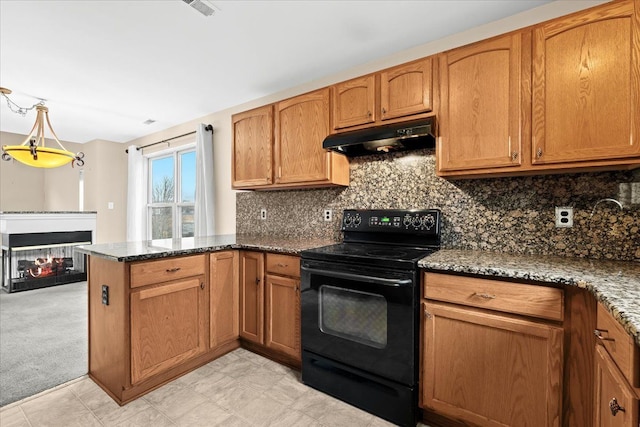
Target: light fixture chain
{"points": [[18, 109]]}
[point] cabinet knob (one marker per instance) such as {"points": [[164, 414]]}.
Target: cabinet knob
{"points": [[384, 110], [369, 113], [257, 280], [202, 285], [598, 334], [539, 152], [427, 315], [483, 295], [173, 270], [615, 407]]}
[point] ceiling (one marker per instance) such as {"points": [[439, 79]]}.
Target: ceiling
{"points": [[104, 67]]}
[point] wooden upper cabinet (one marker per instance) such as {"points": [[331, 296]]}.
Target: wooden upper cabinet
{"points": [[406, 89], [354, 102], [252, 148], [586, 86], [481, 119], [301, 124]]}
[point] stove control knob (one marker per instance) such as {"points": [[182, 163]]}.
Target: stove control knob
{"points": [[347, 220], [407, 220], [417, 222], [428, 221], [357, 220]]}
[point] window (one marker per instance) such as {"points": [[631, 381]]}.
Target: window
{"points": [[172, 194]]}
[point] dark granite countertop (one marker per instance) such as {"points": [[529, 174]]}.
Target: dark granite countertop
{"points": [[152, 249], [616, 284]]}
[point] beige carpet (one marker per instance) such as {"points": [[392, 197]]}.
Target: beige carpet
{"points": [[43, 339]]}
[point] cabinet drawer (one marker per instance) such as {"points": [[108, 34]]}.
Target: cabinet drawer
{"points": [[619, 345], [528, 300], [162, 270], [284, 265]]}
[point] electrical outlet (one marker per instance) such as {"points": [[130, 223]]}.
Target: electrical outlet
{"points": [[328, 215], [263, 214], [564, 216], [110, 205]]}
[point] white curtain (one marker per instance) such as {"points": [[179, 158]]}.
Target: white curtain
{"points": [[204, 215], [136, 196]]}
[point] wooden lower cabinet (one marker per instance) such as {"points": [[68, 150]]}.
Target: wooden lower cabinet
{"points": [[491, 369], [270, 304], [283, 315], [615, 402], [224, 298], [168, 326], [252, 296]]}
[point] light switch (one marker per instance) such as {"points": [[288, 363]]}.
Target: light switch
{"points": [[110, 205]]}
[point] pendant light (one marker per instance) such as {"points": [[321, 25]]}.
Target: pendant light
{"points": [[33, 152]]}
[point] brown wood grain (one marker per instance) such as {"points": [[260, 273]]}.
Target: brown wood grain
{"points": [[586, 84], [480, 108], [282, 315], [610, 383], [168, 326], [224, 302], [489, 369], [619, 345], [518, 298], [406, 89], [252, 155], [252, 296], [145, 273], [354, 102]]}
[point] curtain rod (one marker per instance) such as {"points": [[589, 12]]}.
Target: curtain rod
{"points": [[207, 127]]}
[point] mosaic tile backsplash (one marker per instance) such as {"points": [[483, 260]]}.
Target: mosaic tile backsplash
{"points": [[515, 215]]}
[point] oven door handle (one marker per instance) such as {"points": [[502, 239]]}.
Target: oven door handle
{"points": [[360, 277]]}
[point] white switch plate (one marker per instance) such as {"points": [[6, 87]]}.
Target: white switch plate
{"points": [[110, 205], [263, 214], [564, 216]]}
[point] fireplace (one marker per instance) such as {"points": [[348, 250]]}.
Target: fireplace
{"points": [[38, 259]]}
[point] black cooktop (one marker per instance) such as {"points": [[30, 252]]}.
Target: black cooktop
{"points": [[380, 255]]}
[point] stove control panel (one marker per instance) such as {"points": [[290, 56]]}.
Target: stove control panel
{"points": [[392, 220]]}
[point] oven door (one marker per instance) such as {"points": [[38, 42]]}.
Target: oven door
{"points": [[363, 317]]}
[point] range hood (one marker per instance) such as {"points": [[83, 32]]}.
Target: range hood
{"points": [[384, 139]]}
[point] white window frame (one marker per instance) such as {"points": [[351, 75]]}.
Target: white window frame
{"points": [[176, 206]]}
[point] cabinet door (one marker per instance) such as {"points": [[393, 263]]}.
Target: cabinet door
{"points": [[224, 297], [586, 86], [354, 102], [491, 370], [252, 296], [480, 115], [612, 390], [252, 148], [283, 315], [302, 123], [168, 326], [406, 89]]}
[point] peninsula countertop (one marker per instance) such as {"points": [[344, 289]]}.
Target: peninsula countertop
{"points": [[616, 284], [163, 248]]}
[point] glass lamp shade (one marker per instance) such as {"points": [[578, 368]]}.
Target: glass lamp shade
{"points": [[46, 157]]}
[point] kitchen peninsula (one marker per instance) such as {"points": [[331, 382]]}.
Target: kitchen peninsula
{"points": [[160, 308]]}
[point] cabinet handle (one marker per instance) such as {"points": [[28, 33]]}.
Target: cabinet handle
{"points": [[539, 152], [483, 295], [257, 280], [369, 113], [202, 285], [173, 270], [282, 265], [598, 334], [615, 407], [514, 156], [384, 111]]}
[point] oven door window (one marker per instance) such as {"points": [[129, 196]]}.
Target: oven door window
{"points": [[353, 315]]}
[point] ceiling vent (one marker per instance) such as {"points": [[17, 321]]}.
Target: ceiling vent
{"points": [[205, 8]]}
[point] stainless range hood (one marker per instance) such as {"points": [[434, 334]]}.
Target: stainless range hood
{"points": [[384, 139]]}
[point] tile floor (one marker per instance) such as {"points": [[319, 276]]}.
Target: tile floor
{"points": [[238, 389]]}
